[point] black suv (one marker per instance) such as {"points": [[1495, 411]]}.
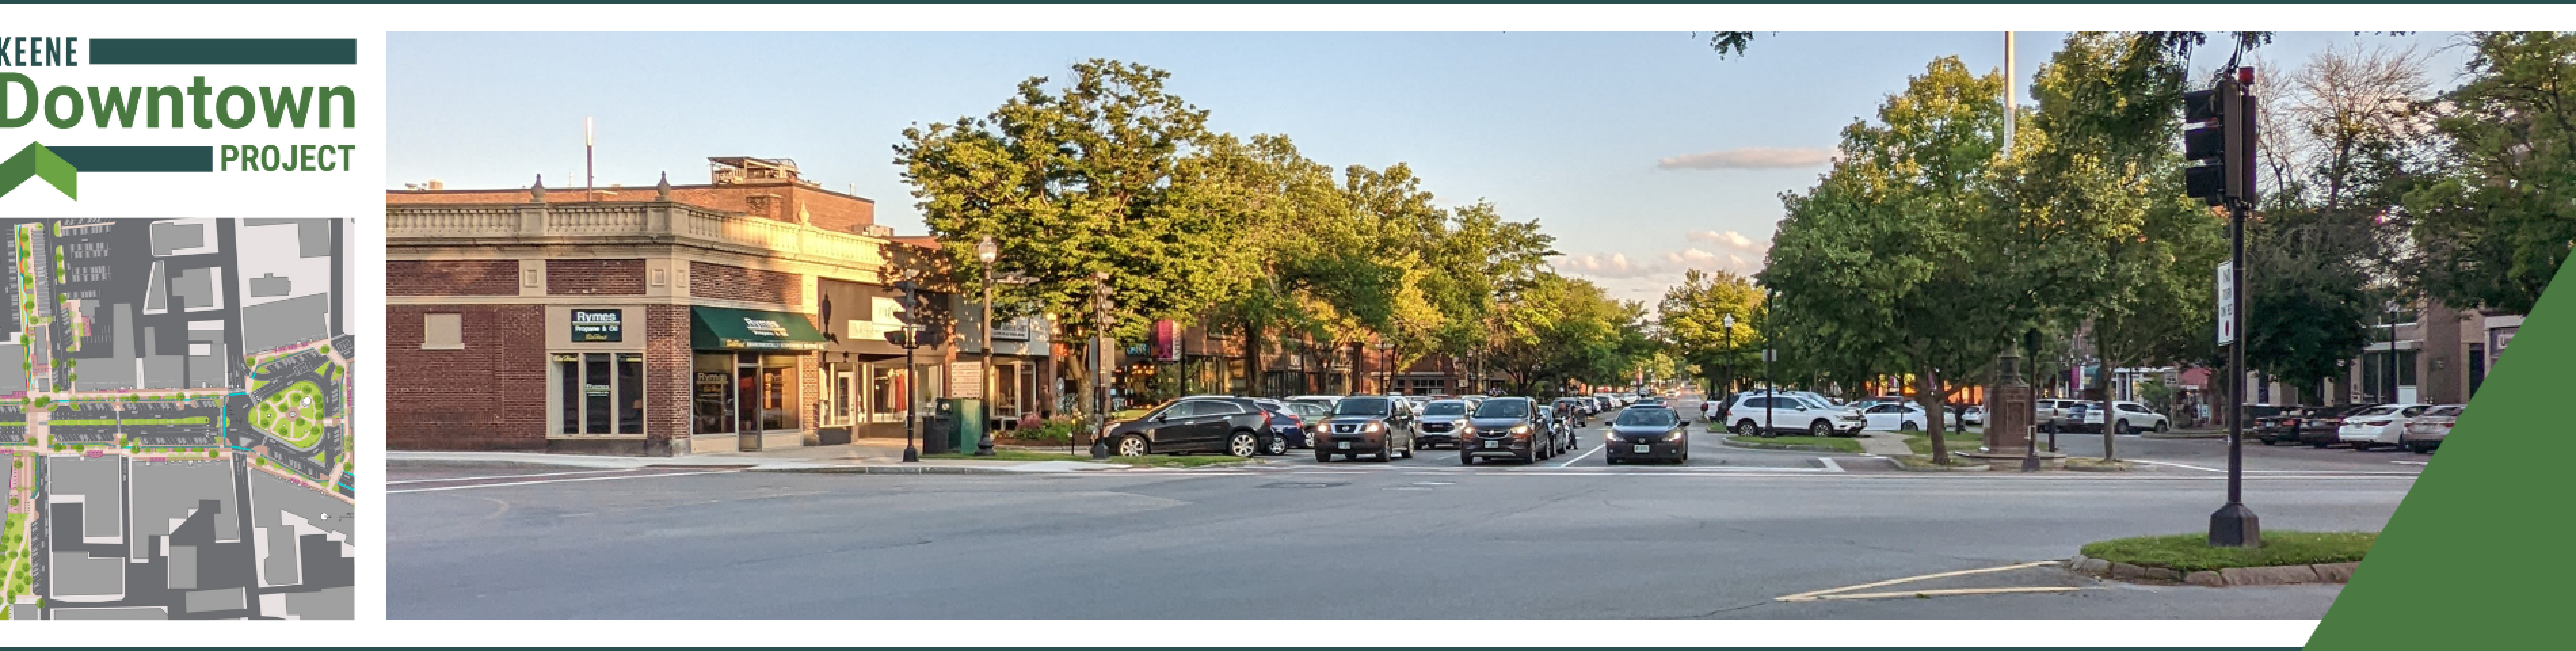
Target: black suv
{"points": [[1235, 426], [1510, 428], [1379, 426]]}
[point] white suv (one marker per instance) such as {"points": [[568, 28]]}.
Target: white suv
{"points": [[2133, 417], [1793, 414]]}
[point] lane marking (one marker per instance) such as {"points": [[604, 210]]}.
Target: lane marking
{"points": [[543, 474], [1830, 465], [1821, 594], [1586, 453], [557, 481], [2408, 463]]}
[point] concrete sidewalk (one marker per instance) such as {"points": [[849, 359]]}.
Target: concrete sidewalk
{"points": [[864, 456], [1887, 444]]}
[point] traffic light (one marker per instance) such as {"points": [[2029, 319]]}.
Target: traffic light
{"points": [[910, 299], [2221, 146]]}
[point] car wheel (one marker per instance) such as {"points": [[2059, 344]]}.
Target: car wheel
{"points": [[1278, 445], [2163, 426], [2321, 445], [1132, 446], [1466, 458], [1820, 429], [2423, 449], [1744, 427], [1911, 426], [1408, 448], [1323, 457]]}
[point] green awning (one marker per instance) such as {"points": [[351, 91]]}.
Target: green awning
{"points": [[724, 328]]}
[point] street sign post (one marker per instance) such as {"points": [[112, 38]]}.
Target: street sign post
{"points": [[2226, 303]]}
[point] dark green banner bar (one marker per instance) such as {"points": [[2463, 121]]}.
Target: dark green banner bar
{"points": [[138, 159], [223, 51]]}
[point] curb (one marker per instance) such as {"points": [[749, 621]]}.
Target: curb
{"points": [[2233, 576], [496, 463], [1732, 443], [1953, 468], [2123, 466]]}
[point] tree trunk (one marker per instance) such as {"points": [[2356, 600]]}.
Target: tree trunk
{"points": [[1252, 360], [2110, 417], [1930, 399]]}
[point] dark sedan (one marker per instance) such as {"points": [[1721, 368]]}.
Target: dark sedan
{"points": [[1380, 427], [1235, 426], [1648, 434], [1509, 428], [2319, 429]]}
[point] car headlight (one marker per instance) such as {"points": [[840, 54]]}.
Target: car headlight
{"points": [[1466, 430], [1519, 430], [1674, 437], [1373, 426]]}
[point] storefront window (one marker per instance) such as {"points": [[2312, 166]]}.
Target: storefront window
{"points": [[1008, 389], [885, 393], [567, 393], [630, 393], [598, 393]]}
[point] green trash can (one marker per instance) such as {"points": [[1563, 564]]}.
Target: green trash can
{"points": [[966, 418]]}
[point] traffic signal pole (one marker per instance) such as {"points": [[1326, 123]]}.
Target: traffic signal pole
{"points": [[2228, 180]]}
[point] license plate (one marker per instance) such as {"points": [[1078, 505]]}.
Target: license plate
{"points": [[1645, 449], [1346, 445], [1493, 444]]}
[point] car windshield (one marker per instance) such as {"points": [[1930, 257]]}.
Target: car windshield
{"points": [[1503, 409], [2448, 410], [1361, 407], [1307, 409], [2377, 411], [1648, 417], [1445, 408]]}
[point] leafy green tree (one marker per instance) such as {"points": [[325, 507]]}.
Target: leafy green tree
{"points": [[2492, 226], [1889, 265], [1692, 318], [1561, 329], [1096, 175]]}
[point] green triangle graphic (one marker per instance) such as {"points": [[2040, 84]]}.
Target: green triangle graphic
{"points": [[2476, 553], [37, 161]]}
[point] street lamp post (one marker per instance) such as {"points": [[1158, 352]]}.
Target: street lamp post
{"points": [[986, 251], [1726, 329]]}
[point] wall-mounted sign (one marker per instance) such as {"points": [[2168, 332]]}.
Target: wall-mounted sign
{"points": [[1167, 340], [764, 327], [598, 325]]}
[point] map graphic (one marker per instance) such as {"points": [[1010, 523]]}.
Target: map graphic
{"points": [[176, 434]]}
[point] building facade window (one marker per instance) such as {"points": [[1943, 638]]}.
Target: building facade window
{"points": [[598, 394], [841, 395], [442, 331], [886, 386], [713, 397]]}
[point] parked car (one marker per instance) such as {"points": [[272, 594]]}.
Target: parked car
{"points": [[1509, 428], [2052, 412], [1973, 415], [1648, 435], [1324, 401], [2320, 429], [1570, 409], [1896, 417], [1379, 427], [2426, 432], [1444, 422], [1793, 414], [2283, 426], [1309, 416], [1562, 426], [2086, 416], [2377, 426], [1230, 425]]}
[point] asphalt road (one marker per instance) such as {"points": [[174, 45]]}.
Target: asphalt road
{"points": [[1724, 537]]}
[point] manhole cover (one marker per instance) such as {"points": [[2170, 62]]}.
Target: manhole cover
{"points": [[1305, 484]]}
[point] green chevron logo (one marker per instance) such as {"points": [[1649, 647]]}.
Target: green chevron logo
{"points": [[38, 162]]}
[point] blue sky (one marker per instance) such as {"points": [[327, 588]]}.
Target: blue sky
{"points": [[1642, 152]]}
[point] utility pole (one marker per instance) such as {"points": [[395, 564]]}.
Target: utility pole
{"points": [[589, 162], [1100, 342], [986, 251]]}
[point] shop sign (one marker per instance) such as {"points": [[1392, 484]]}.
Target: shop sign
{"points": [[966, 380], [590, 326], [764, 327]]}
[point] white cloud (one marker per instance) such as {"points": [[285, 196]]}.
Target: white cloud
{"points": [[1595, 265], [1749, 158], [1729, 239]]}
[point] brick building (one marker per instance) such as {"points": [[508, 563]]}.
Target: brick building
{"points": [[661, 321]]}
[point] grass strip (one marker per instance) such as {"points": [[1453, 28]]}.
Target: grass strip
{"points": [[2190, 552]]}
